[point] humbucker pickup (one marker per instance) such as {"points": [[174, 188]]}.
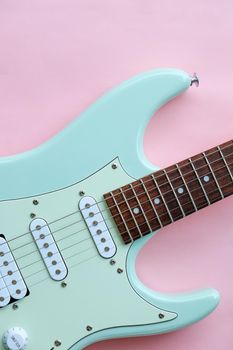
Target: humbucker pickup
{"points": [[48, 249], [97, 227], [12, 285]]}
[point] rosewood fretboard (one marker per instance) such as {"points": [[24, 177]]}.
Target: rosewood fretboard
{"points": [[168, 195]]}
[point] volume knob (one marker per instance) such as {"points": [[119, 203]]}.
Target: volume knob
{"points": [[15, 339]]}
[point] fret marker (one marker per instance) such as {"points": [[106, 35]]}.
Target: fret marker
{"points": [[180, 190], [157, 200], [136, 210], [206, 178]]}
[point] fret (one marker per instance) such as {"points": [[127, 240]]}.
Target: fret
{"points": [[174, 192], [143, 213], [169, 196], [180, 189], [139, 204], [203, 189], [161, 196], [227, 151], [192, 184], [152, 206], [224, 160], [221, 172], [135, 221], [122, 218], [146, 206], [212, 172], [187, 188], [119, 220], [125, 214], [158, 208]]}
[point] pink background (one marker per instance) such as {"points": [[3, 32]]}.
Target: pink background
{"points": [[58, 56]]}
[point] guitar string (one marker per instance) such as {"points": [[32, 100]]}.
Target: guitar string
{"points": [[45, 269], [103, 201], [146, 211], [82, 221], [114, 206], [76, 264], [216, 189]]}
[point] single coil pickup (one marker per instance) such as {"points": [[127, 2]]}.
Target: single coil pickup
{"points": [[97, 227], [4, 293], [12, 285], [48, 249]]}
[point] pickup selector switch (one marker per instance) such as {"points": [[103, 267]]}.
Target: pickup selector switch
{"points": [[15, 339]]}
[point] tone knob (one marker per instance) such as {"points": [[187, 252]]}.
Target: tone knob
{"points": [[15, 339]]}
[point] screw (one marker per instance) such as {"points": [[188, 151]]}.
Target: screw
{"points": [[57, 343], [88, 328], [32, 215], [81, 193], [112, 262], [63, 284], [35, 202], [119, 270], [114, 166], [15, 307], [161, 316]]}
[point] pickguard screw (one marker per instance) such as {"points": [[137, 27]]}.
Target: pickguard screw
{"points": [[112, 262], [15, 307], [35, 202], [114, 166], [119, 270], [32, 215], [81, 193], [89, 328], [57, 343], [161, 316], [64, 284]]}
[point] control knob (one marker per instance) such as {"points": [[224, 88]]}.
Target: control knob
{"points": [[15, 339]]}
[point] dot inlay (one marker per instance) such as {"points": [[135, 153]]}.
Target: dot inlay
{"points": [[180, 190], [136, 210], [206, 178], [157, 200]]}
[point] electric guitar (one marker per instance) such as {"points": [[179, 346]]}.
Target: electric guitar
{"points": [[75, 212]]}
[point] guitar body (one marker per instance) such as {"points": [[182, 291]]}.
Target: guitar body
{"points": [[100, 298]]}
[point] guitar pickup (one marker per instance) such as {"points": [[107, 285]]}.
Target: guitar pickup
{"points": [[12, 285], [97, 227], [48, 249]]}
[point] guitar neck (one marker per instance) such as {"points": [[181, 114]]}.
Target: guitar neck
{"points": [[172, 193]]}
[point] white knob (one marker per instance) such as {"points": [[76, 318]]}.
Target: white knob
{"points": [[15, 339]]}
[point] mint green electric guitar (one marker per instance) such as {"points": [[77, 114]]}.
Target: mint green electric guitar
{"points": [[73, 216]]}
